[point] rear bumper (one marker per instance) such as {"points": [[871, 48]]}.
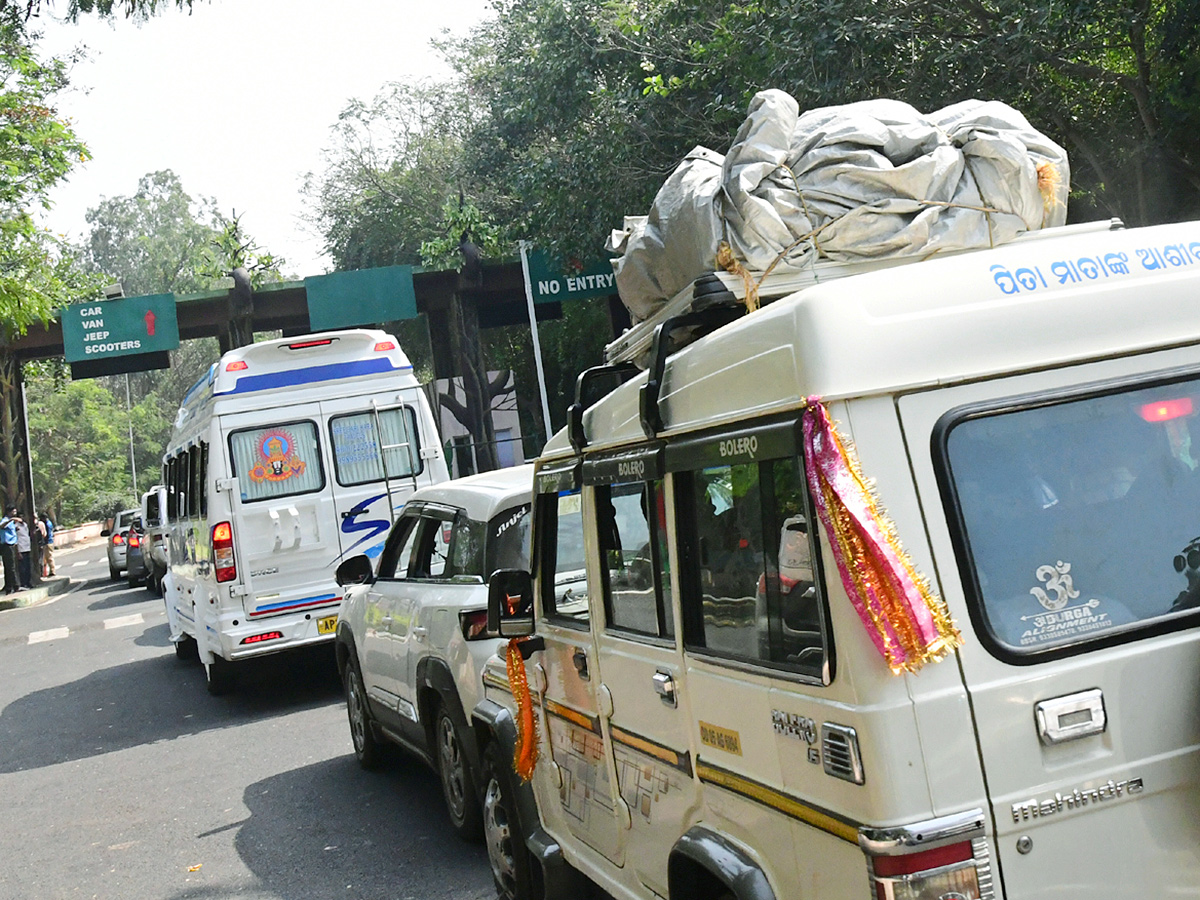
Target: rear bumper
{"points": [[296, 630]]}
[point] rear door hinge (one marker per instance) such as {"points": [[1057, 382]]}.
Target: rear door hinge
{"points": [[227, 484]]}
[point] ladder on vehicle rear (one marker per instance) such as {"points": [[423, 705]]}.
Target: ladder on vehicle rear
{"points": [[406, 446]]}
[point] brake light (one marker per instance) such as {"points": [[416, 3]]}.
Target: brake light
{"points": [[474, 624], [305, 344], [238, 365], [265, 636], [1166, 410], [937, 860], [134, 540], [384, 346], [222, 545]]}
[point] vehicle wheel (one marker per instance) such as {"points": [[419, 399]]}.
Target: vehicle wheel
{"points": [[185, 647], [366, 748], [509, 859], [154, 585], [220, 676], [114, 574], [458, 786]]}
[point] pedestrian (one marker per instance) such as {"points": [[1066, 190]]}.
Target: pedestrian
{"points": [[8, 549], [24, 546], [47, 544]]}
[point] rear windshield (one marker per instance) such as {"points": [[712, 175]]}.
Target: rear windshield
{"points": [[1080, 519]]}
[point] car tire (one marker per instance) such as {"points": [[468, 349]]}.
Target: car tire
{"points": [[362, 733], [502, 833], [220, 676], [114, 574], [454, 771], [185, 648]]}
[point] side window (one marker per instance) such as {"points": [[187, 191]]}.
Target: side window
{"points": [[466, 555], [750, 585], [631, 524], [508, 540], [358, 446], [561, 555], [278, 461], [393, 562]]}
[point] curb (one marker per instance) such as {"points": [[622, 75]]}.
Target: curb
{"points": [[49, 587]]}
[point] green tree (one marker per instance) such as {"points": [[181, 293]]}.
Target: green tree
{"points": [[37, 150], [394, 162]]}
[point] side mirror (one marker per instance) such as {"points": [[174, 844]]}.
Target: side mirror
{"points": [[162, 507], [510, 603], [355, 570], [105, 532]]}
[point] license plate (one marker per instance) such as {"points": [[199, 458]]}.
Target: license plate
{"points": [[327, 625]]}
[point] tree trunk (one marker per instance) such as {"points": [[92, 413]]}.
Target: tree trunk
{"points": [[468, 351]]}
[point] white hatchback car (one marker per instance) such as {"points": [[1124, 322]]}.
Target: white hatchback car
{"points": [[412, 635], [117, 540]]}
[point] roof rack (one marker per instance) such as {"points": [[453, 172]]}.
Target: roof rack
{"points": [[726, 289]]}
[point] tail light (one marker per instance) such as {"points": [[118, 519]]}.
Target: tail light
{"points": [[222, 544], [134, 540], [118, 539], [265, 636], [384, 346], [942, 859]]}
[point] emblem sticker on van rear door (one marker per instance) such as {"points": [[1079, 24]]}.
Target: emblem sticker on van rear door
{"points": [[1064, 612]]}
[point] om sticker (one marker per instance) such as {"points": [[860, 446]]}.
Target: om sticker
{"points": [[277, 456], [1063, 615]]}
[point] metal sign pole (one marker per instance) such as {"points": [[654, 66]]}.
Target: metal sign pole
{"points": [[537, 346]]}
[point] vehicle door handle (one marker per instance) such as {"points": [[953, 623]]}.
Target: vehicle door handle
{"points": [[1071, 717], [579, 658], [664, 686]]}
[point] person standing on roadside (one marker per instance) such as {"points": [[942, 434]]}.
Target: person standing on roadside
{"points": [[8, 549], [47, 527], [24, 546]]}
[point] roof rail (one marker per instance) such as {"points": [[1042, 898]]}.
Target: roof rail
{"points": [[575, 432], [705, 320]]}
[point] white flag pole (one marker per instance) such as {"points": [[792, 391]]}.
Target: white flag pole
{"points": [[537, 346]]}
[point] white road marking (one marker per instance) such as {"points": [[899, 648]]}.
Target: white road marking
{"points": [[51, 634], [122, 621], [82, 562]]}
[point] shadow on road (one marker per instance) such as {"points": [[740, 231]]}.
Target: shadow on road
{"points": [[334, 830], [117, 594], [156, 700]]}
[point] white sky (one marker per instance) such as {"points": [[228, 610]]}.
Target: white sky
{"points": [[237, 99]]}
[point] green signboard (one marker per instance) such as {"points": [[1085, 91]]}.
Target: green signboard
{"points": [[552, 283], [362, 297], [128, 326]]}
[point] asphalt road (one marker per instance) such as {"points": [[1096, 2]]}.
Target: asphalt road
{"points": [[121, 778]]}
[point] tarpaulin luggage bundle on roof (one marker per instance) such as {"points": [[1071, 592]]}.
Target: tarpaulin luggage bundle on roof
{"points": [[865, 181]]}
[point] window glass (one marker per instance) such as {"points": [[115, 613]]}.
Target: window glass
{"points": [[630, 523], [751, 590], [508, 541], [466, 553], [277, 461], [564, 581], [1081, 517], [357, 447], [201, 491], [393, 562], [442, 532]]}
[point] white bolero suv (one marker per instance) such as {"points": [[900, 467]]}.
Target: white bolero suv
{"points": [[412, 633]]}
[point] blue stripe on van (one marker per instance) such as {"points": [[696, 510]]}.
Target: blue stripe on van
{"points": [[311, 374], [294, 604]]}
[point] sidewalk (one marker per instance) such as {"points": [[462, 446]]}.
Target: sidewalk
{"points": [[49, 587]]}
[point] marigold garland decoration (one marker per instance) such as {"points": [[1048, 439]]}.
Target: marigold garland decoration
{"points": [[526, 753], [906, 620]]}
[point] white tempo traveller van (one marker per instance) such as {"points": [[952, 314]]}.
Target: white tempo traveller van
{"points": [[712, 715], [287, 457]]}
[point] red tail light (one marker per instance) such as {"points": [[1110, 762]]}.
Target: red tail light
{"points": [[265, 636], [1166, 410], [118, 539], [222, 544], [134, 540], [384, 346], [929, 861], [303, 345], [238, 365]]}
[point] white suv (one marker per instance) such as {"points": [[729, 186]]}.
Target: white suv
{"points": [[412, 635]]}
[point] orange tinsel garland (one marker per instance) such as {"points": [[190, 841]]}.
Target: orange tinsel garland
{"points": [[526, 754]]}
